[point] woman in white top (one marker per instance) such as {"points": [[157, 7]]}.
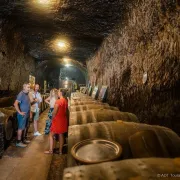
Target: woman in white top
{"points": [[51, 101]]}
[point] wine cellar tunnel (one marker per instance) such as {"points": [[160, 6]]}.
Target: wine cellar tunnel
{"points": [[130, 47]]}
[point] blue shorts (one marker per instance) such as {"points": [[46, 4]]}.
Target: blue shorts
{"points": [[22, 121]]}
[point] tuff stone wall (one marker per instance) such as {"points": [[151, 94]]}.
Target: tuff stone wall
{"points": [[149, 42], [15, 65]]}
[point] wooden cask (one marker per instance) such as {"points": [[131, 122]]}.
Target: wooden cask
{"points": [[87, 102], [131, 169], [91, 107], [90, 116], [8, 123], [125, 134]]}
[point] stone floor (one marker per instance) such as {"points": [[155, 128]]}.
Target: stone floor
{"points": [[31, 163]]}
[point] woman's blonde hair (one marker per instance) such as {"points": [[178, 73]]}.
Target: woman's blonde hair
{"points": [[55, 93]]}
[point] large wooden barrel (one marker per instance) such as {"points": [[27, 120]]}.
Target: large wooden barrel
{"points": [[8, 123], [7, 101], [131, 169], [87, 102], [13, 111], [1, 135], [98, 115], [124, 133], [91, 106]]}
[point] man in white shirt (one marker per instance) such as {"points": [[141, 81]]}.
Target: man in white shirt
{"points": [[36, 99]]}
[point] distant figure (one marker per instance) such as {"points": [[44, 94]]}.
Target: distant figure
{"points": [[59, 122], [36, 99], [51, 101], [22, 106]]}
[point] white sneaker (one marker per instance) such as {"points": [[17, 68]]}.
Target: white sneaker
{"points": [[37, 134]]}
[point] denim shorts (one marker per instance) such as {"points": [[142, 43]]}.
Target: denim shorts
{"points": [[22, 121]]}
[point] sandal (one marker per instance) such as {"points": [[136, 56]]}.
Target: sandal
{"points": [[48, 152]]}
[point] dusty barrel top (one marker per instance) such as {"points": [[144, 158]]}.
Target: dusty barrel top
{"points": [[167, 141], [145, 168], [98, 115]]}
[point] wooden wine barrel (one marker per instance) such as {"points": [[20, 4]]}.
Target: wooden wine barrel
{"points": [[13, 110], [87, 102], [1, 135], [98, 115], [91, 106], [131, 169], [123, 132], [7, 101], [8, 123]]}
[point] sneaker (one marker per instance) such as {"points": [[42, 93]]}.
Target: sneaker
{"points": [[20, 144], [26, 141], [37, 134]]}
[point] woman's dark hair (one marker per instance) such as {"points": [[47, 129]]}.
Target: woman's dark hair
{"points": [[63, 91]]}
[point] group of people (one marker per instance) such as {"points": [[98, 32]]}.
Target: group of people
{"points": [[27, 105]]}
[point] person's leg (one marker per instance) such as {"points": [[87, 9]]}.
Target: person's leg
{"points": [[36, 118], [24, 138], [35, 126], [51, 143], [61, 142], [21, 127], [19, 135]]}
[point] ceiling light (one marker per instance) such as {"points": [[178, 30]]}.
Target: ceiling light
{"points": [[44, 1], [67, 65], [61, 44], [66, 59]]}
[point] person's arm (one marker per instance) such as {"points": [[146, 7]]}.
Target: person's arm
{"points": [[32, 99], [47, 100], [39, 100], [56, 107], [16, 105]]}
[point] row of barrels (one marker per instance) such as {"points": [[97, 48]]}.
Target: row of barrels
{"points": [[143, 145], [1, 138], [84, 109]]}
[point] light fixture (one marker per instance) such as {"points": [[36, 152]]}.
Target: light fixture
{"points": [[44, 2], [66, 59], [66, 78], [61, 44], [67, 65]]}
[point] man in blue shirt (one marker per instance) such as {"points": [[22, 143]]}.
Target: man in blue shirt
{"points": [[22, 106]]}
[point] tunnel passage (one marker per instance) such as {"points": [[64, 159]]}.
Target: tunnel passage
{"points": [[117, 45], [132, 47]]}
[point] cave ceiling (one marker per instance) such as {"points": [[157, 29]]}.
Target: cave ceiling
{"points": [[83, 24]]}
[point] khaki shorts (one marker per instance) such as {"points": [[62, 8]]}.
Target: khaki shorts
{"points": [[35, 115]]}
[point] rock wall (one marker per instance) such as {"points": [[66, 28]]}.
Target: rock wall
{"points": [[15, 65], [147, 43]]}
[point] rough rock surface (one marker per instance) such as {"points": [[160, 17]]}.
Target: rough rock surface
{"points": [[148, 43], [15, 64], [84, 23]]}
